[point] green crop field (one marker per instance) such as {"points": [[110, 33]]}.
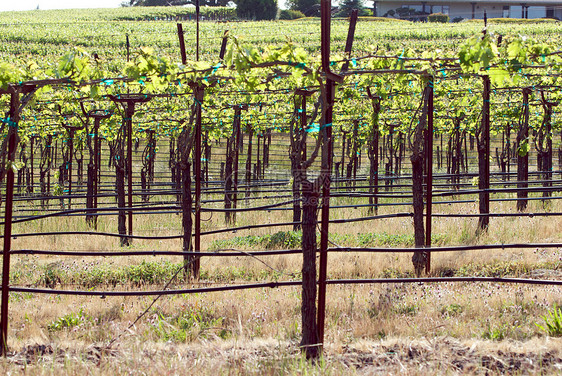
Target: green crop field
{"points": [[441, 135]]}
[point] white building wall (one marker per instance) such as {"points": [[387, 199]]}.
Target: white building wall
{"points": [[464, 10], [537, 12]]}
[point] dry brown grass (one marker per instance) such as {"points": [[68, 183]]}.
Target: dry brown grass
{"points": [[414, 329]]}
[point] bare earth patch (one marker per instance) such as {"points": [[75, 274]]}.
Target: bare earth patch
{"points": [[436, 356]]}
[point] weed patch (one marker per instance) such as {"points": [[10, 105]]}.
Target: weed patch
{"points": [[292, 239], [552, 322], [188, 326], [68, 321]]}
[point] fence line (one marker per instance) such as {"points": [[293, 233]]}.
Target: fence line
{"points": [[277, 284], [233, 252]]}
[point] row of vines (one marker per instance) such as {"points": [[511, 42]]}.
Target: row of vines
{"points": [[428, 107]]}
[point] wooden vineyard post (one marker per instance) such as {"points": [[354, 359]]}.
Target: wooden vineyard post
{"points": [[93, 170], [300, 174], [237, 146], [326, 6], [373, 153], [195, 265], [199, 93], [31, 147], [128, 47], [44, 168], [231, 166], [484, 159], [130, 110], [71, 131], [197, 18], [545, 151], [390, 151], [417, 159], [429, 172], [12, 121], [257, 166], [248, 176], [97, 157], [353, 151], [182, 43], [298, 154], [350, 36], [189, 141], [523, 154], [223, 45], [185, 139], [309, 340], [265, 151], [129, 101], [69, 165], [340, 176], [327, 155]]}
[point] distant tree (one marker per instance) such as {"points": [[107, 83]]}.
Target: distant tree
{"points": [[348, 5], [438, 17], [310, 8], [406, 13], [165, 3], [289, 14], [256, 9]]}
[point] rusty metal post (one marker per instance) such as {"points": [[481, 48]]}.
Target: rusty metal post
{"points": [[12, 145], [429, 176]]}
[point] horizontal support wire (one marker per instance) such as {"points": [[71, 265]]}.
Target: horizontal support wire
{"points": [[277, 284], [233, 252], [282, 224]]}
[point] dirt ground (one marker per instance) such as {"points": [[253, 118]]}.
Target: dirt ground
{"points": [[436, 356]]}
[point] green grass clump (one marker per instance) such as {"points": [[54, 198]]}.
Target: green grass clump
{"points": [[188, 325], [278, 240], [552, 322], [68, 321], [292, 239], [91, 274], [493, 269]]}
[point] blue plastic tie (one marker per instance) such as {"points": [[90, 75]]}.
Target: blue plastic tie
{"points": [[10, 123]]}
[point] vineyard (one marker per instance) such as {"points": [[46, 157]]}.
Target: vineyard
{"points": [[197, 196]]}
